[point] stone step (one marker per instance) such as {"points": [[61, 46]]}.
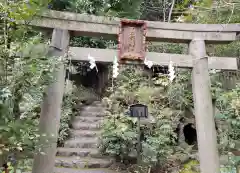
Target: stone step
{"points": [[72, 170], [90, 107], [82, 152], [84, 142], [91, 113], [97, 103], [93, 108], [88, 119], [77, 162], [84, 170], [84, 133], [78, 125]]}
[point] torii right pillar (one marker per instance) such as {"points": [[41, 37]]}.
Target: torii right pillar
{"points": [[205, 124]]}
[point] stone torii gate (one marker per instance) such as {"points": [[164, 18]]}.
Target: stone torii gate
{"points": [[197, 36]]}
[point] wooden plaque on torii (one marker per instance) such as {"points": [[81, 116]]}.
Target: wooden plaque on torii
{"points": [[131, 41]]}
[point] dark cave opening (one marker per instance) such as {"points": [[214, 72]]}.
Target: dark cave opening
{"points": [[190, 134]]}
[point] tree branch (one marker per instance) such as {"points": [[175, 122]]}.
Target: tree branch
{"points": [[170, 12]]}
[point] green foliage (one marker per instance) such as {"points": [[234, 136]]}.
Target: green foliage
{"points": [[190, 167], [10, 169], [166, 102], [89, 42], [167, 48], [125, 8], [21, 10], [231, 50], [119, 136], [26, 80], [180, 93], [226, 100], [208, 11], [229, 105], [25, 164], [221, 12], [228, 170], [66, 116], [25, 73]]}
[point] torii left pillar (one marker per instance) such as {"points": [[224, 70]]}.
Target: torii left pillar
{"points": [[51, 107]]}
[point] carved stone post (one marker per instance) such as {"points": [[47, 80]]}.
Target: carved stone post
{"points": [[68, 81], [206, 132], [51, 107]]}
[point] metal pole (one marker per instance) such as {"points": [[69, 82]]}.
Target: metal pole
{"points": [[139, 142]]}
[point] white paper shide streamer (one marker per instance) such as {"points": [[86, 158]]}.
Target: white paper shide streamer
{"points": [[92, 62], [148, 63], [171, 71], [115, 67]]}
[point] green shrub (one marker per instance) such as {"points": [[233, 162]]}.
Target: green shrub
{"points": [[65, 120], [228, 103], [119, 135]]}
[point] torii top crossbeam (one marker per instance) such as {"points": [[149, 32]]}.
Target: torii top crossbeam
{"points": [[90, 25]]}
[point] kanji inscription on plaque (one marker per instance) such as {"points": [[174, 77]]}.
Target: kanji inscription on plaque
{"points": [[131, 40]]}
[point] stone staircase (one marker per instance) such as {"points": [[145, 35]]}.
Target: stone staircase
{"points": [[80, 153]]}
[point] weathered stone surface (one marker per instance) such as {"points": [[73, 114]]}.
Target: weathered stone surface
{"points": [[88, 119], [182, 60], [82, 152], [92, 113], [69, 170], [84, 170], [152, 24], [78, 125], [98, 103], [82, 143], [77, 162], [84, 133], [102, 26], [106, 56], [92, 108]]}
